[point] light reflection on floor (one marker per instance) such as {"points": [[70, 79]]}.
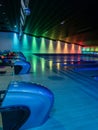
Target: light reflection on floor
{"points": [[76, 105]]}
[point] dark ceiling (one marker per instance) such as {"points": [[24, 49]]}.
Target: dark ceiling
{"points": [[72, 21]]}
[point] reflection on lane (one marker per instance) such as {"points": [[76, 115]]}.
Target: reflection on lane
{"points": [[40, 63]]}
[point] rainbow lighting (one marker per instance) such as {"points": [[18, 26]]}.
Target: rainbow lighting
{"points": [[90, 50]]}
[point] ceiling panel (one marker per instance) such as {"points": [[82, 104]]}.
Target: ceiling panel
{"points": [[71, 21]]}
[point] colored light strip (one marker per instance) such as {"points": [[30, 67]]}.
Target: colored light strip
{"points": [[43, 46], [65, 50], [58, 47], [34, 45], [25, 42], [15, 42], [72, 48], [50, 49]]}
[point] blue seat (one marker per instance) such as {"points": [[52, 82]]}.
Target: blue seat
{"points": [[21, 67], [38, 99]]}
